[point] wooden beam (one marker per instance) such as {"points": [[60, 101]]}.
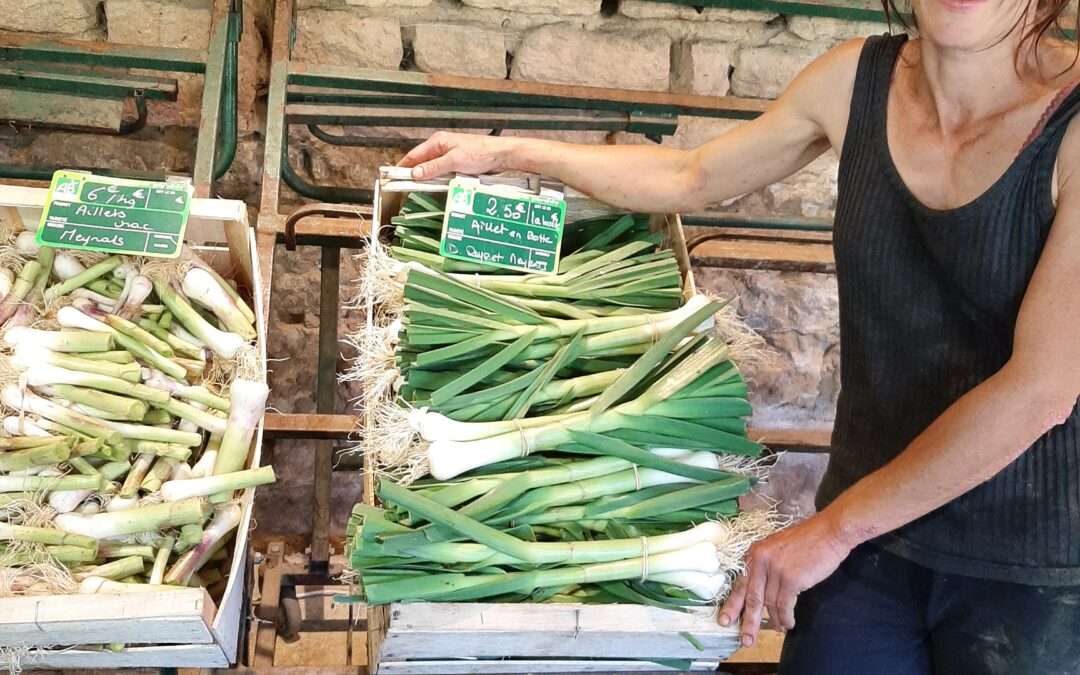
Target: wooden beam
{"points": [[799, 440], [765, 650], [280, 425], [750, 254]]}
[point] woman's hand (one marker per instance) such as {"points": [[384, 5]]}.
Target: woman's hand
{"points": [[778, 569], [446, 152]]}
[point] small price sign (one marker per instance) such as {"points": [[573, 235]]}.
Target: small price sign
{"points": [[503, 226], [115, 215]]}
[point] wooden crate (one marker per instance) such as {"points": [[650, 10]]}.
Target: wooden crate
{"points": [[183, 628], [421, 638]]}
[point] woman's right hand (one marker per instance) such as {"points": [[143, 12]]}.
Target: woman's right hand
{"points": [[446, 152]]}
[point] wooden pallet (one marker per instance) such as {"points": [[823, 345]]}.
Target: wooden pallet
{"points": [[179, 628]]}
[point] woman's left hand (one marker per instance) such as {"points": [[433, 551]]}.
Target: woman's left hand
{"points": [[778, 569]]}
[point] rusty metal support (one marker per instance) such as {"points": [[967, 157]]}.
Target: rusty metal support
{"points": [[328, 210], [269, 606]]}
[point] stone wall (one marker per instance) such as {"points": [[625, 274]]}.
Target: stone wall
{"points": [[634, 44], [619, 43]]}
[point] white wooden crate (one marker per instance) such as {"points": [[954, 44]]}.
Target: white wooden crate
{"points": [[446, 638], [183, 628]]}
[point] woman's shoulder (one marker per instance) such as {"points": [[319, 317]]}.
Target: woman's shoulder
{"points": [[833, 72]]}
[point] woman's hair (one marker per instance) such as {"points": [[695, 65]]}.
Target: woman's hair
{"points": [[1048, 20]]}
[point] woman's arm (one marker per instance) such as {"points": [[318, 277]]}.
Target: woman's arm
{"points": [[795, 130], [974, 439]]}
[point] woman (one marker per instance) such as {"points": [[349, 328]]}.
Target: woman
{"points": [[948, 533]]}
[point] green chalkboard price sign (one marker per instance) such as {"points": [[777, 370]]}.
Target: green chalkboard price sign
{"points": [[115, 215], [503, 226]]}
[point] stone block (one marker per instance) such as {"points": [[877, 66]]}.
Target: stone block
{"points": [[460, 50], [60, 17], [810, 192], [388, 4], [701, 68], [764, 72], [797, 314], [341, 38], [159, 23], [649, 9], [564, 54], [560, 7], [818, 28]]}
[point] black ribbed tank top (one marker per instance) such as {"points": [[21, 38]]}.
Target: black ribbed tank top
{"points": [[928, 303]]}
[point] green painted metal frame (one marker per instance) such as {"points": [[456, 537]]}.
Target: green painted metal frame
{"points": [[15, 47], [93, 85], [511, 93], [315, 95], [738, 221], [854, 10], [216, 147]]}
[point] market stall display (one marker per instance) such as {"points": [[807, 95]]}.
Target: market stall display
{"points": [[134, 390], [574, 438]]}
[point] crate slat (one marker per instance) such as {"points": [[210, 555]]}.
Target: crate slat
{"points": [[181, 616], [471, 667], [171, 656], [436, 630]]}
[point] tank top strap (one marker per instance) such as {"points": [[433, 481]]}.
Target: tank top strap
{"points": [[1055, 120], [870, 93]]}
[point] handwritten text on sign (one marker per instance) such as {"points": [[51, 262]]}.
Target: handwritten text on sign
{"points": [[503, 228], [115, 215]]}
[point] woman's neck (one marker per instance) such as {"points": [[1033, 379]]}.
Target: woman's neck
{"points": [[962, 86]]}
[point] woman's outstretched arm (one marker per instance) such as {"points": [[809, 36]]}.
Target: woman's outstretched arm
{"points": [[797, 128]]}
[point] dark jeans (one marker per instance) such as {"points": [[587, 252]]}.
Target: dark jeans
{"points": [[879, 613]]}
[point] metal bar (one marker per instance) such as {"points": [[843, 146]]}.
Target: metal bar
{"points": [[354, 140], [850, 10], [332, 97], [227, 152], [479, 117], [757, 222], [274, 152], [26, 47], [210, 117], [515, 93], [351, 215], [45, 173], [326, 400], [87, 84], [322, 193]]}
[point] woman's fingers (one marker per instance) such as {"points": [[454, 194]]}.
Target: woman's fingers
{"points": [[733, 606], [441, 165], [772, 595], [754, 601], [785, 608]]}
